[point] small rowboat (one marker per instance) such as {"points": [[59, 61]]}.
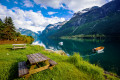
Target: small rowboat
{"points": [[98, 49], [61, 43]]}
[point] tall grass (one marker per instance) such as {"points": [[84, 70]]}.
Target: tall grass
{"points": [[94, 71]]}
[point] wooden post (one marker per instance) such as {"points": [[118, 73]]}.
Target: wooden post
{"points": [[24, 45], [32, 67], [27, 76], [14, 47], [51, 67], [47, 62]]}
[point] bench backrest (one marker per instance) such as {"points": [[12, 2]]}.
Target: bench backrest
{"points": [[18, 44]]}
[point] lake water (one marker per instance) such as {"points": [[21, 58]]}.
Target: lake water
{"points": [[109, 59]]}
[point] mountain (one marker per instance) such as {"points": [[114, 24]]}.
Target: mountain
{"points": [[96, 20], [52, 28], [29, 33]]}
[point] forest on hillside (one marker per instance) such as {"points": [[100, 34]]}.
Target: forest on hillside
{"points": [[8, 32]]}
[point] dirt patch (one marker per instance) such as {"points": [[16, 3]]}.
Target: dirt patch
{"points": [[11, 42]]}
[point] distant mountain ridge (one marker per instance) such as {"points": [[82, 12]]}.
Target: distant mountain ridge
{"points": [[52, 28], [94, 13], [29, 33], [96, 20]]}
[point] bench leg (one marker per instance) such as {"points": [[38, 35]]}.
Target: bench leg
{"points": [[27, 62], [47, 62], [27, 76], [32, 67], [51, 67]]}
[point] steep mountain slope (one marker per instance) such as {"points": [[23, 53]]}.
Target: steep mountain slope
{"points": [[97, 20], [52, 28], [29, 33]]}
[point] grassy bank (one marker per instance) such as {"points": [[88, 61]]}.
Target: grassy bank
{"points": [[68, 68]]}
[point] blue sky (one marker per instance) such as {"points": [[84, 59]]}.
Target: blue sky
{"points": [[61, 12], [37, 14]]}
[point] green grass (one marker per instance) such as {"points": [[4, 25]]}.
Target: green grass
{"points": [[68, 68]]}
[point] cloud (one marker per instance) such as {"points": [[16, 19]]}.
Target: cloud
{"points": [[43, 6], [49, 3], [110, 0], [28, 3], [70, 12], [34, 21], [51, 13], [15, 2], [75, 5], [7, 0]]}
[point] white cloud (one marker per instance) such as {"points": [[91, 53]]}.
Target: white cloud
{"points": [[51, 13], [75, 5], [28, 3], [49, 3], [7, 0], [43, 6], [70, 12], [15, 2], [110, 0], [34, 21]]}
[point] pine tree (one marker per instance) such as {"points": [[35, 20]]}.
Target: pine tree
{"points": [[10, 23], [2, 27], [9, 30], [6, 21]]}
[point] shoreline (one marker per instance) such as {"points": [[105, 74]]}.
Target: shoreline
{"points": [[61, 52]]}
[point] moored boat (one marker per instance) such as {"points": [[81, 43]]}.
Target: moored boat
{"points": [[61, 43], [98, 49]]}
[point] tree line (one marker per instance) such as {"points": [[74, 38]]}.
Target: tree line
{"points": [[8, 31]]}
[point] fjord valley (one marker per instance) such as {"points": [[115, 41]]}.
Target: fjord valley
{"points": [[60, 40]]}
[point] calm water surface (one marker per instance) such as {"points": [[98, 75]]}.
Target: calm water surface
{"points": [[109, 59]]}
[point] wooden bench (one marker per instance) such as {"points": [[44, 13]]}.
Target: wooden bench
{"points": [[22, 69], [19, 46], [52, 64], [33, 61]]}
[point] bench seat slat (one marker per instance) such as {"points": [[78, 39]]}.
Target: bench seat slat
{"points": [[43, 56], [19, 68], [30, 59], [22, 69], [37, 57], [52, 62], [40, 57], [18, 44]]}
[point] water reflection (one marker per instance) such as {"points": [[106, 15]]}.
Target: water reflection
{"points": [[109, 59]]}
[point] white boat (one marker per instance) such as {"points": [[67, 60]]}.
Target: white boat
{"points": [[98, 49], [61, 43]]}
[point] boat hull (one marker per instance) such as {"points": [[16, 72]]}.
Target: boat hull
{"points": [[98, 49]]}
